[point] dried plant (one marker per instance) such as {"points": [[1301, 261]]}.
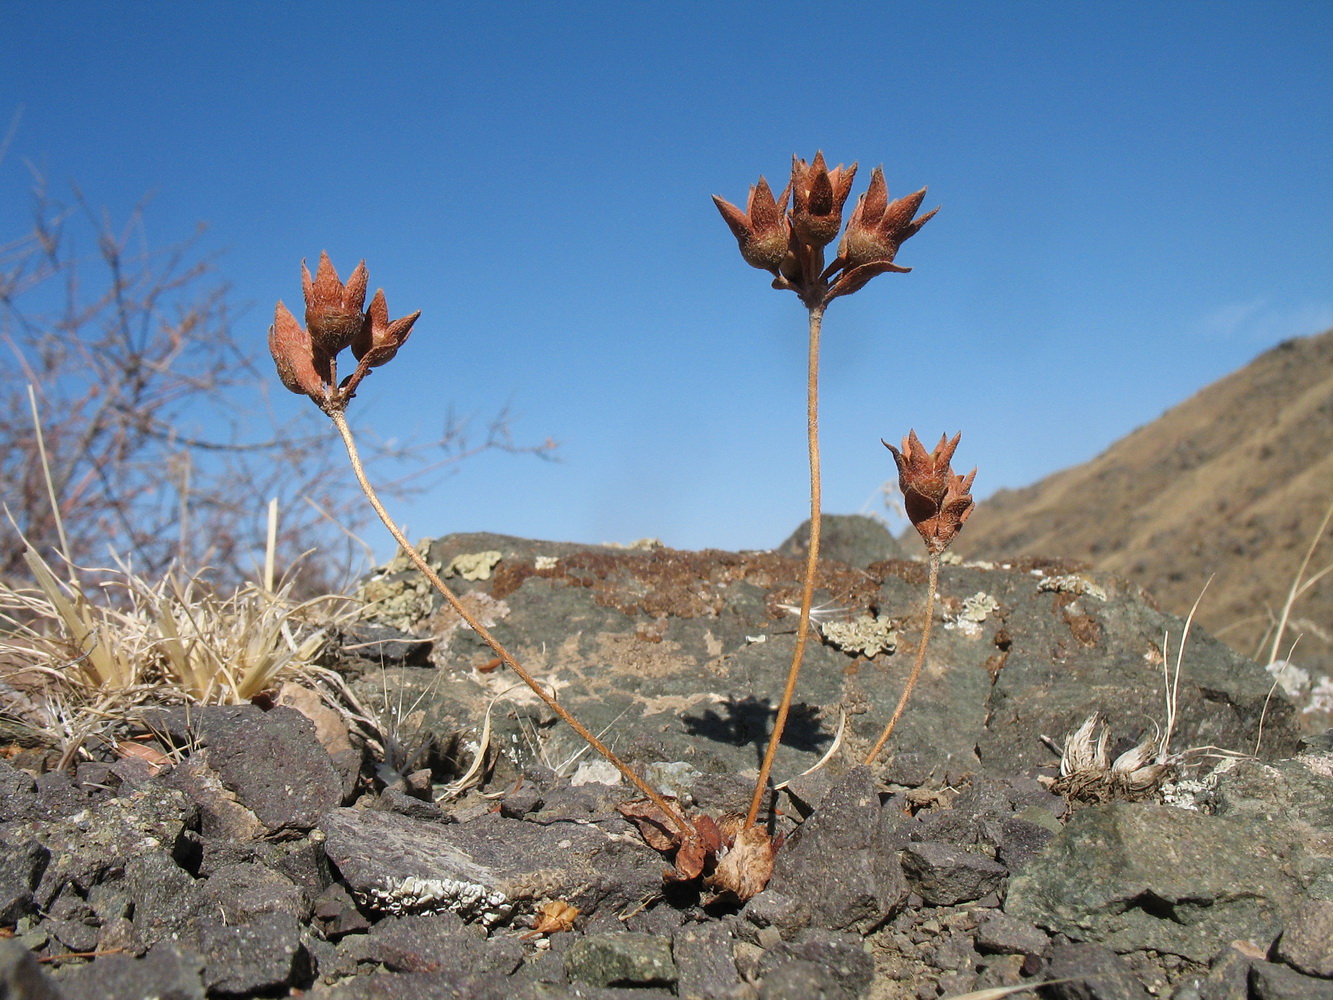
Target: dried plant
{"points": [[307, 362], [131, 353], [790, 245], [938, 502]]}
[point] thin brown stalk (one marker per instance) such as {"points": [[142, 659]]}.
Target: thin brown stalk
{"points": [[340, 421], [920, 659], [811, 563]]}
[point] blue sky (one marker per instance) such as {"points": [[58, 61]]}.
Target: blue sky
{"points": [[1137, 199]]}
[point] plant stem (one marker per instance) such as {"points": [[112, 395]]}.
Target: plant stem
{"points": [[340, 421], [811, 563], [920, 659]]}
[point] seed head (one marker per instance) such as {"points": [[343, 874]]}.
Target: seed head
{"points": [[333, 310], [762, 229], [302, 366], [378, 340], [818, 195], [877, 228], [937, 501]]}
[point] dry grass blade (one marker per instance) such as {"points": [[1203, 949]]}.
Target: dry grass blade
{"points": [[91, 646]]}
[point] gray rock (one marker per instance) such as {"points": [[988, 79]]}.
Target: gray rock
{"points": [[704, 960], [945, 875], [774, 908], [836, 862], [368, 646], [58, 796], [429, 943], [271, 762], [259, 956], [22, 863], [999, 932], [18, 793], [1096, 973], [167, 900], [1227, 978], [1017, 841], [1137, 876], [165, 971], [486, 868], [88, 848], [21, 978], [624, 959], [843, 957], [243, 891], [854, 539], [1307, 941], [1269, 981], [796, 979]]}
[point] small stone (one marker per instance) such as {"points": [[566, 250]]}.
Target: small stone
{"points": [[21, 978], [21, 867], [1307, 942], [625, 959], [1094, 973], [945, 875], [999, 932], [704, 957], [1270, 981]]}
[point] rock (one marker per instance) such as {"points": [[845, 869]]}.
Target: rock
{"points": [[853, 539], [623, 959], [429, 943], [259, 956], [773, 908], [1269, 981], [795, 979], [18, 793], [841, 958], [167, 901], [367, 646], [1095, 973], [21, 978], [999, 932], [1307, 941], [484, 869], [58, 796], [945, 875], [836, 863], [706, 968], [270, 762], [21, 866], [243, 891], [1138, 876], [88, 847], [165, 971]]}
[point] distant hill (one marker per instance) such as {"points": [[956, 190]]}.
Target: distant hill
{"points": [[1233, 482]]}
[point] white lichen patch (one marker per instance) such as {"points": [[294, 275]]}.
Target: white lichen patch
{"points": [[596, 772], [976, 609], [865, 635], [1072, 583], [396, 594], [545, 562], [472, 902], [473, 565]]}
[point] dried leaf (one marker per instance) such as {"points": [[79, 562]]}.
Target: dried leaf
{"points": [[746, 867]]}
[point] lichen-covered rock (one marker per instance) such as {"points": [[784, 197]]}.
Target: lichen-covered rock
{"points": [[486, 869], [1138, 876], [623, 959]]}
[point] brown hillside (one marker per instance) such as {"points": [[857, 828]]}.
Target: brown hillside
{"points": [[1231, 483]]}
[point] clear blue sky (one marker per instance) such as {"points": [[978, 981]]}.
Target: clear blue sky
{"points": [[1137, 199]]}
